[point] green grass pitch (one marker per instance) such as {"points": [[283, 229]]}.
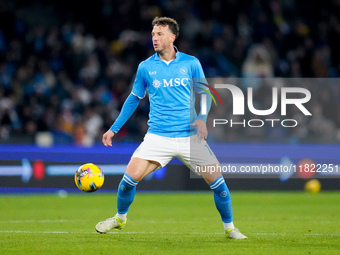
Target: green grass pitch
{"points": [[171, 223]]}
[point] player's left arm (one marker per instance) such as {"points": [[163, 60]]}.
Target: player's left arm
{"points": [[201, 120], [205, 100]]}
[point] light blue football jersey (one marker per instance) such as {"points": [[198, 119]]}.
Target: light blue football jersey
{"points": [[171, 93]]}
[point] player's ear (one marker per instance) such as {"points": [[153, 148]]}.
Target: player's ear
{"points": [[173, 37]]}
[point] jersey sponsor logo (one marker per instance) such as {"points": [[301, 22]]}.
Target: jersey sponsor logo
{"points": [[152, 73], [175, 82], [156, 83]]}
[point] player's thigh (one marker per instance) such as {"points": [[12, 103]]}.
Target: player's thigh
{"points": [[138, 168], [153, 153], [156, 148], [198, 156]]}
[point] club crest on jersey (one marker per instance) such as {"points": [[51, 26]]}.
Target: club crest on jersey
{"points": [[156, 83], [183, 70]]}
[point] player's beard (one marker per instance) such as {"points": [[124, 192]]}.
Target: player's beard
{"points": [[159, 49], [162, 50]]}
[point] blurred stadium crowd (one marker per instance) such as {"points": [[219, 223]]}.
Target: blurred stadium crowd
{"points": [[66, 69]]}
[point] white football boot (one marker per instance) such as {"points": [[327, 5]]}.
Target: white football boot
{"points": [[111, 223], [234, 233]]}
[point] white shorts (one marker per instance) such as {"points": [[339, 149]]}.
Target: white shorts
{"points": [[190, 150]]}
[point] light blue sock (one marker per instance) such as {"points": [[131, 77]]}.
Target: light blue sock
{"points": [[126, 193], [222, 199]]}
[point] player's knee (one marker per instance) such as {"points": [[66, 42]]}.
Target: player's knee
{"points": [[135, 172], [210, 173], [136, 175]]}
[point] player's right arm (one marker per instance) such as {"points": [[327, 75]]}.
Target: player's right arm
{"points": [[129, 106], [107, 138]]}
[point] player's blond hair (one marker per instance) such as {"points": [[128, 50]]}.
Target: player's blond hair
{"points": [[163, 21]]}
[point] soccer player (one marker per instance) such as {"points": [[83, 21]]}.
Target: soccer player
{"points": [[168, 76]]}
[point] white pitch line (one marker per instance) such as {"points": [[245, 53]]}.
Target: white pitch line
{"points": [[33, 232], [145, 232], [306, 234], [77, 232], [318, 234], [269, 234], [33, 221]]}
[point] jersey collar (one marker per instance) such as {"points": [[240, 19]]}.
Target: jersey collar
{"points": [[176, 58]]}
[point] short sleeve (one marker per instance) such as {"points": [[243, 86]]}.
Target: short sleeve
{"points": [[197, 71], [139, 85]]}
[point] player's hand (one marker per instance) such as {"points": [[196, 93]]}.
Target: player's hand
{"points": [[202, 131], [107, 138]]}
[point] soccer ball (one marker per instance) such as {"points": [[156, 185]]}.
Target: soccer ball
{"points": [[313, 186], [89, 177]]}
